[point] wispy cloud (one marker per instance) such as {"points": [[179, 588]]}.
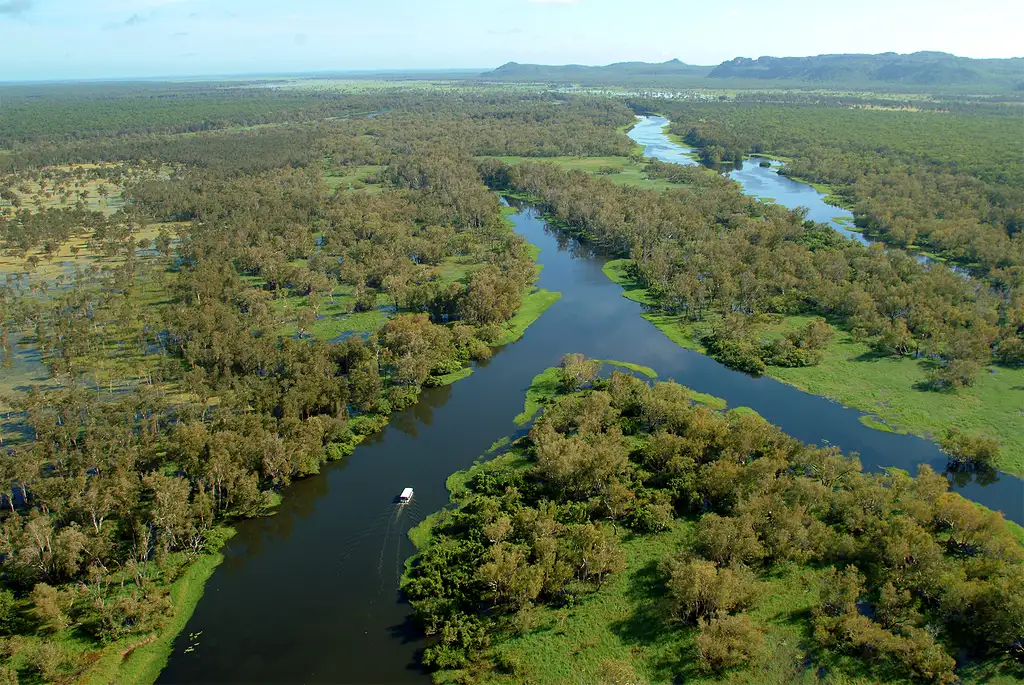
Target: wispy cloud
{"points": [[128, 23], [15, 8]]}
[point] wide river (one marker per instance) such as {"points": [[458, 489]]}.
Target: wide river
{"points": [[311, 593]]}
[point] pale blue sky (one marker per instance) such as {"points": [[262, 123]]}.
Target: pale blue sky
{"points": [[45, 39]]}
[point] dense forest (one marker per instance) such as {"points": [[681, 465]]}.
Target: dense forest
{"points": [[897, 576], [489, 123]]}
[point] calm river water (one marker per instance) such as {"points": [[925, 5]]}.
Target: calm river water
{"points": [[761, 182], [311, 593]]}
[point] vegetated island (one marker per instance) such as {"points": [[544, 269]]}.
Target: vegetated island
{"points": [[636, 536]]}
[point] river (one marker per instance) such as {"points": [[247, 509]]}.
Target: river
{"points": [[764, 183], [310, 594]]}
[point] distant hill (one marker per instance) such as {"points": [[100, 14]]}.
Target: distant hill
{"points": [[918, 69], [620, 72], [889, 70]]}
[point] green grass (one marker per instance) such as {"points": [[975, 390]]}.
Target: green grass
{"points": [[624, 130], [625, 621], [873, 422], [422, 533], [542, 389], [354, 178], [888, 388], [677, 329], [825, 189], [143, 664], [450, 378], [744, 411], [337, 318], [678, 140], [534, 304], [498, 444], [642, 370], [709, 400]]}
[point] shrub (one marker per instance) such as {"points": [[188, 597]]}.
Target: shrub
{"points": [[967, 451], [615, 672], [698, 588], [7, 611], [651, 518], [728, 642], [955, 374]]}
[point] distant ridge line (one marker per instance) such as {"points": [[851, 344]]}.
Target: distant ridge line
{"points": [[921, 69]]}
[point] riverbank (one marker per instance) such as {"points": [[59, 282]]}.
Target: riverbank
{"points": [[137, 658], [887, 388], [140, 660]]}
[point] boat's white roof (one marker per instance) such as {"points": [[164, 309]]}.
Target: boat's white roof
{"points": [[407, 492]]}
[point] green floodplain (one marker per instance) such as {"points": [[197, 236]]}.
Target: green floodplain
{"points": [[661, 597], [886, 387], [293, 271]]}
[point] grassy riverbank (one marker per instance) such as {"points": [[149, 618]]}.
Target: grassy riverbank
{"points": [[141, 660], [136, 659], [886, 387], [534, 304]]}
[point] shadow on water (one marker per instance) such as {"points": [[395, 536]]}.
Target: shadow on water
{"points": [[310, 594]]}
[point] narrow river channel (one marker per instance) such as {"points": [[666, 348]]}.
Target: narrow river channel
{"points": [[311, 593]]}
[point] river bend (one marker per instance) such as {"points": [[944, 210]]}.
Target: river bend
{"points": [[310, 594]]}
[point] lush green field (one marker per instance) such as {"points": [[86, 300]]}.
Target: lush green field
{"points": [[354, 178], [886, 387], [630, 366]]}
